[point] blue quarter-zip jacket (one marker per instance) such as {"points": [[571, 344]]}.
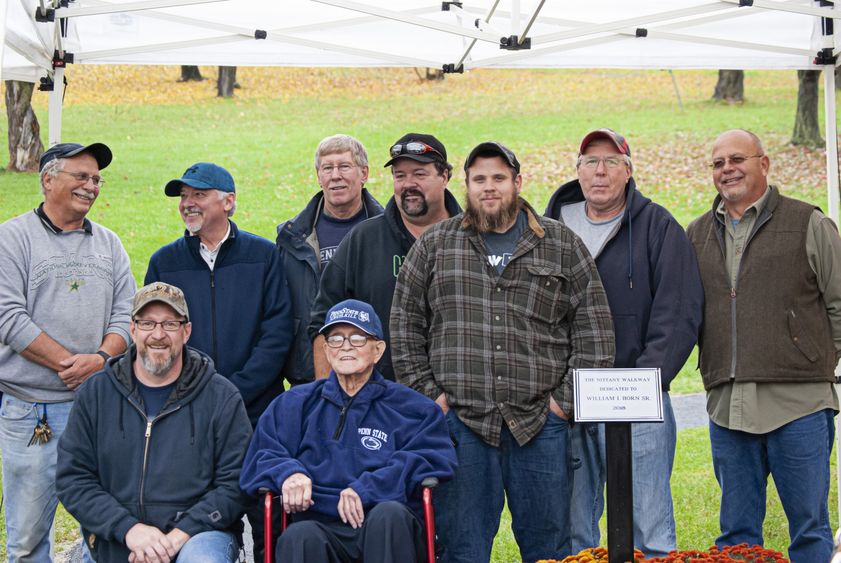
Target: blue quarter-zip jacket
{"points": [[651, 277], [241, 314], [382, 442]]}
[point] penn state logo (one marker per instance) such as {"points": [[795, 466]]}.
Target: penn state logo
{"points": [[363, 316], [371, 443]]}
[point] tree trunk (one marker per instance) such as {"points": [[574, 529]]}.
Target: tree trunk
{"points": [[807, 132], [730, 86], [190, 74], [25, 147], [226, 82], [434, 74]]}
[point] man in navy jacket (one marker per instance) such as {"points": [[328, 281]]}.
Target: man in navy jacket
{"points": [[308, 240], [236, 289], [149, 463], [653, 285], [349, 453]]}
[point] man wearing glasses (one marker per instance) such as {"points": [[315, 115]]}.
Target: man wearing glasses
{"points": [[651, 278], [366, 264], [65, 298], [769, 345], [236, 289], [349, 453], [308, 241], [149, 464]]}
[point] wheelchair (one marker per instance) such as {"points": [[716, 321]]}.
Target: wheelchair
{"points": [[427, 486]]}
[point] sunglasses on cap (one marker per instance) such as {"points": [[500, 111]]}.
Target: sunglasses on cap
{"points": [[413, 147]]}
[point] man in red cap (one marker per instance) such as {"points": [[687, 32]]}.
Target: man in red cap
{"points": [[651, 278]]}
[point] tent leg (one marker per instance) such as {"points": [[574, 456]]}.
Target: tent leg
{"points": [[55, 106]]}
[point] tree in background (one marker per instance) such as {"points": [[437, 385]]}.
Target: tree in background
{"points": [[25, 147], [807, 131], [226, 82], [190, 73], [730, 86]]}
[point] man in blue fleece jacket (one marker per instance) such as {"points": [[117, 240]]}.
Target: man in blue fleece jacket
{"points": [[653, 285], [349, 453]]}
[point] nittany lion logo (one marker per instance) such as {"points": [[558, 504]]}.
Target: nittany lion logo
{"points": [[371, 443], [363, 316]]}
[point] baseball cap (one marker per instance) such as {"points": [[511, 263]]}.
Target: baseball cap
{"points": [[492, 147], [163, 293], [356, 313], [618, 140], [417, 146], [99, 151], [202, 176]]}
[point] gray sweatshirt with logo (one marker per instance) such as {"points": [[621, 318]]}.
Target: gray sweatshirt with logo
{"points": [[76, 286]]}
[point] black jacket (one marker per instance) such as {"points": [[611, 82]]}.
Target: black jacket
{"points": [[180, 469], [365, 267], [298, 244]]}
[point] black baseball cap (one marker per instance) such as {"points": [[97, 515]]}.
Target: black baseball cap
{"points": [[99, 151], [417, 146], [492, 147]]}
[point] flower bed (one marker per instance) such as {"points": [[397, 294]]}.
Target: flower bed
{"points": [[727, 554]]}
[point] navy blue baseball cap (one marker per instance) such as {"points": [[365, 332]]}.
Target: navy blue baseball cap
{"points": [[419, 147], [356, 313], [202, 176], [492, 147], [99, 151]]}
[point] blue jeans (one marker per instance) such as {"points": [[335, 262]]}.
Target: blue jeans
{"points": [[797, 457], [209, 547], [29, 477], [653, 453], [535, 479]]}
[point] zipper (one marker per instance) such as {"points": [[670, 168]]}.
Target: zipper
{"points": [[147, 439], [213, 316], [342, 418]]}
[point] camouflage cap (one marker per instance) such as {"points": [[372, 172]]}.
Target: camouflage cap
{"points": [[161, 292]]}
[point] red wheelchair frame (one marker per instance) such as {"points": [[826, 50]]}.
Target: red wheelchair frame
{"points": [[428, 515]]}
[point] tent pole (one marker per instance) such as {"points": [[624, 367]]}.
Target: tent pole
{"points": [[831, 143], [55, 102]]}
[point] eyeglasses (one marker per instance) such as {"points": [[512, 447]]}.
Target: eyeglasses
{"points": [[84, 177], [343, 168], [356, 340], [736, 159], [593, 161], [415, 147], [147, 325]]}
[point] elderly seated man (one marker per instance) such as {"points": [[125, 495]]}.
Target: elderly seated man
{"points": [[349, 453]]}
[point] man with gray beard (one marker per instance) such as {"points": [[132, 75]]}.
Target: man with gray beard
{"points": [[163, 403], [491, 313]]}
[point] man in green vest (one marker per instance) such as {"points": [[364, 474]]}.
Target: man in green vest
{"points": [[769, 345]]}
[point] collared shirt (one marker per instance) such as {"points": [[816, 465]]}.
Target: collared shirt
{"points": [[498, 344], [47, 222], [209, 256], [759, 408]]}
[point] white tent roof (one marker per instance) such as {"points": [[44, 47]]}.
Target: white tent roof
{"points": [[564, 34]]}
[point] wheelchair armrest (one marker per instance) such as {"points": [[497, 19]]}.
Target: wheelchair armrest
{"points": [[429, 483]]}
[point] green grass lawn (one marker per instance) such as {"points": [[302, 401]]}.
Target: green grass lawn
{"points": [[266, 137]]}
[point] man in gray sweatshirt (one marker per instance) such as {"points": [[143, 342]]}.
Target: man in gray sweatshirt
{"points": [[65, 302]]}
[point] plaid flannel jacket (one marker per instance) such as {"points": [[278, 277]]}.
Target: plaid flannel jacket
{"points": [[498, 345]]}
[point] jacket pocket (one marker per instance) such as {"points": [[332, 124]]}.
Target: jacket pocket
{"points": [[800, 337], [547, 296]]}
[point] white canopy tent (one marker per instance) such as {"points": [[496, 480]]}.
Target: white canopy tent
{"points": [[39, 37]]}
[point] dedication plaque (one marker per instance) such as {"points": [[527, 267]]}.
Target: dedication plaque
{"points": [[617, 395]]}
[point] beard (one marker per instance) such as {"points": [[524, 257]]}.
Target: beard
{"points": [[485, 222], [156, 367], [416, 210]]}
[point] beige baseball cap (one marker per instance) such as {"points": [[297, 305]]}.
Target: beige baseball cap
{"points": [[162, 292]]}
